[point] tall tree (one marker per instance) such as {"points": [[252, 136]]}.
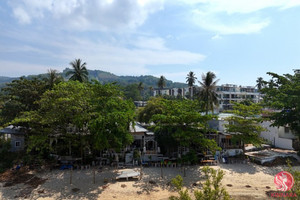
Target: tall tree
{"points": [[191, 79], [283, 94], [161, 83], [79, 72], [81, 115], [260, 83], [177, 123], [208, 92], [20, 96], [141, 88], [53, 77], [245, 123], [151, 90]]}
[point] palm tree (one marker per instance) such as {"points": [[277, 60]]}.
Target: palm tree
{"points": [[191, 79], [53, 77], [151, 90], [161, 83], [79, 72], [140, 87], [208, 91], [260, 83]]}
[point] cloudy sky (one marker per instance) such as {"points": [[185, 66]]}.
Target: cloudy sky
{"points": [[239, 40]]}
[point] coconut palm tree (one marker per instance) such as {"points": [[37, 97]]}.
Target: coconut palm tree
{"points": [[140, 87], [260, 83], [208, 91], [190, 80], [53, 77], [151, 90], [161, 83], [79, 72]]}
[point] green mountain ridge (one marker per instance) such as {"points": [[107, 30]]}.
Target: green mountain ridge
{"points": [[107, 77]]}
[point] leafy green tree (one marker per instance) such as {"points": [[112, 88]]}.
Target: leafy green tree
{"points": [[81, 115], [207, 91], [79, 72], [177, 123], [245, 123], [131, 91], [114, 115], [283, 93], [161, 83], [190, 80], [20, 96]]}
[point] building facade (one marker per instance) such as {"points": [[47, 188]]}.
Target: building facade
{"points": [[227, 94]]}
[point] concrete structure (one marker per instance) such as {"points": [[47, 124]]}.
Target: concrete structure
{"points": [[227, 94], [144, 141], [171, 91], [222, 137], [281, 137], [16, 135]]}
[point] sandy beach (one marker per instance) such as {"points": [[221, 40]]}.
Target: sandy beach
{"points": [[242, 181]]}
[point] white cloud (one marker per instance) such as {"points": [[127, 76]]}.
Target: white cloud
{"points": [[113, 15], [21, 15], [216, 37], [128, 56], [234, 16], [122, 60]]}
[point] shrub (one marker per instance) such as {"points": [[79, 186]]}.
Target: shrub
{"points": [[212, 189]]}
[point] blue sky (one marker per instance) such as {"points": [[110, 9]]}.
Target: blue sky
{"points": [[239, 40]]}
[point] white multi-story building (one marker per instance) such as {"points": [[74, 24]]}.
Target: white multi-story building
{"points": [[227, 94], [171, 91]]}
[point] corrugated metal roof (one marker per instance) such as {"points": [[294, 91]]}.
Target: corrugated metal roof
{"points": [[137, 128], [12, 130]]}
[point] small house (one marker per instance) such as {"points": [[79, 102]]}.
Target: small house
{"points": [[16, 135]]}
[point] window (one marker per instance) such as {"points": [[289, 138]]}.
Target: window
{"points": [[18, 143], [286, 129]]}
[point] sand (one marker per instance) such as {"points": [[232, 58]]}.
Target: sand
{"points": [[242, 181]]}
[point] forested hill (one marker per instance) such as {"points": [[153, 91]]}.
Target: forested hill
{"points": [[4, 80], [107, 77], [147, 80]]}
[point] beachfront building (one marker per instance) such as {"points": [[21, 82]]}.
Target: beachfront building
{"points": [[280, 137], [222, 137], [16, 136], [227, 94], [144, 142]]}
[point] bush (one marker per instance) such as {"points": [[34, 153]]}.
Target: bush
{"points": [[212, 189], [296, 175], [6, 157], [190, 157]]}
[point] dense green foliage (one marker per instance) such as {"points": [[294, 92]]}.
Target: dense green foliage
{"points": [[282, 93], [20, 96], [81, 115], [6, 157], [177, 123], [245, 123], [212, 189]]}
